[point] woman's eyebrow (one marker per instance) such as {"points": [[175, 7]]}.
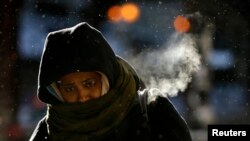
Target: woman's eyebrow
{"points": [[88, 79], [67, 84]]}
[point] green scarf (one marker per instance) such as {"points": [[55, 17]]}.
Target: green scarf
{"points": [[94, 119]]}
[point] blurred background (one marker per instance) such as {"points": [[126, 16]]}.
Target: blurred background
{"points": [[219, 92]]}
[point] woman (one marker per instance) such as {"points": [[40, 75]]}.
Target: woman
{"points": [[92, 94]]}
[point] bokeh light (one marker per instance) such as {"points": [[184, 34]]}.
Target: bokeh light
{"points": [[130, 12], [181, 24], [114, 13]]}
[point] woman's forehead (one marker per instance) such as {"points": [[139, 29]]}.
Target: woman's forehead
{"points": [[79, 76]]}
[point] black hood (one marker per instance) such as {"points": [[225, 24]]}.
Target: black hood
{"points": [[79, 48]]}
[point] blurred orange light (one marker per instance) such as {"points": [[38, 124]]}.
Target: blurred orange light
{"points": [[130, 12], [114, 13], [181, 24]]}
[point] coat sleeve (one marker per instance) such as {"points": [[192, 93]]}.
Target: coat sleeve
{"points": [[165, 122], [40, 133]]}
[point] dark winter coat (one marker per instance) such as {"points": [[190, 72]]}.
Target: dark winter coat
{"points": [[83, 48]]}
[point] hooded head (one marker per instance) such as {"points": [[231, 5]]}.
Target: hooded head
{"points": [[79, 48]]}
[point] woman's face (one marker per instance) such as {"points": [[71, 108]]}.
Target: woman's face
{"points": [[80, 86]]}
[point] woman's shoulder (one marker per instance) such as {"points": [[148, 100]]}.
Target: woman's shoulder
{"points": [[164, 120], [40, 133], [158, 105], [154, 98]]}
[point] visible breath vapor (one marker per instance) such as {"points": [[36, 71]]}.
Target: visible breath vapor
{"points": [[170, 68]]}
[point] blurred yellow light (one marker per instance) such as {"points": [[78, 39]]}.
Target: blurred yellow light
{"points": [[114, 13], [181, 24], [130, 12]]}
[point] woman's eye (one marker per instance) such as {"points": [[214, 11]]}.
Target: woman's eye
{"points": [[69, 89], [89, 83]]}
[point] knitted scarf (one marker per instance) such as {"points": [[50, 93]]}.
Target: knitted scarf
{"points": [[94, 119]]}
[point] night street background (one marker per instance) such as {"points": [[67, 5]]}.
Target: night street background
{"points": [[139, 31]]}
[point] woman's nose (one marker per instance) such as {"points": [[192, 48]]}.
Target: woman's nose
{"points": [[82, 96], [83, 99]]}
